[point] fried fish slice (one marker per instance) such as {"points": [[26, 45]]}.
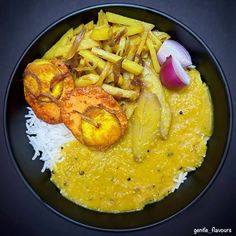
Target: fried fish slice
{"points": [[46, 82], [93, 116]]}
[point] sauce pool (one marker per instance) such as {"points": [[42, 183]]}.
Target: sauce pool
{"points": [[111, 181]]}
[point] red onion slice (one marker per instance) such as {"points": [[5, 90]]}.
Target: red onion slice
{"points": [[173, 75], [172, 48]]}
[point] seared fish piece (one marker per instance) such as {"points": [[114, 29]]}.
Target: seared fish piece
{"points": [[46, 82], [93, 116]]}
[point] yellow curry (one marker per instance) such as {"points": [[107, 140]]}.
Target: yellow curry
{"points": [[112, 181]]}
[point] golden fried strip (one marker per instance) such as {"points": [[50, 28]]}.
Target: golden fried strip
{"points": [[123, 20], [120, 93], [128, 65]]}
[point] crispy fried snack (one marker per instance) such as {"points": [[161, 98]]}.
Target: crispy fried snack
{"points": [[93, 116], [45, 84]]}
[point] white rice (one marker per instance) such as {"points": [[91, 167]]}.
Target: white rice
{"points": [[47, 139], [179, 179]]}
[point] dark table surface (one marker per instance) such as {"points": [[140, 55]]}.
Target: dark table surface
{"points": [[20, 21]]}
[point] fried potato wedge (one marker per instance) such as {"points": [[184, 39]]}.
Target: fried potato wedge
{"points": [[100, 33], [123, 20], [86, 80], [93, 116], [153, 55], [120, 93], [45, 84], [128, 65], [61, 47]]}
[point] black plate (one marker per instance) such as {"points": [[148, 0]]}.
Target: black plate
{"points": [[198, 181]]}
